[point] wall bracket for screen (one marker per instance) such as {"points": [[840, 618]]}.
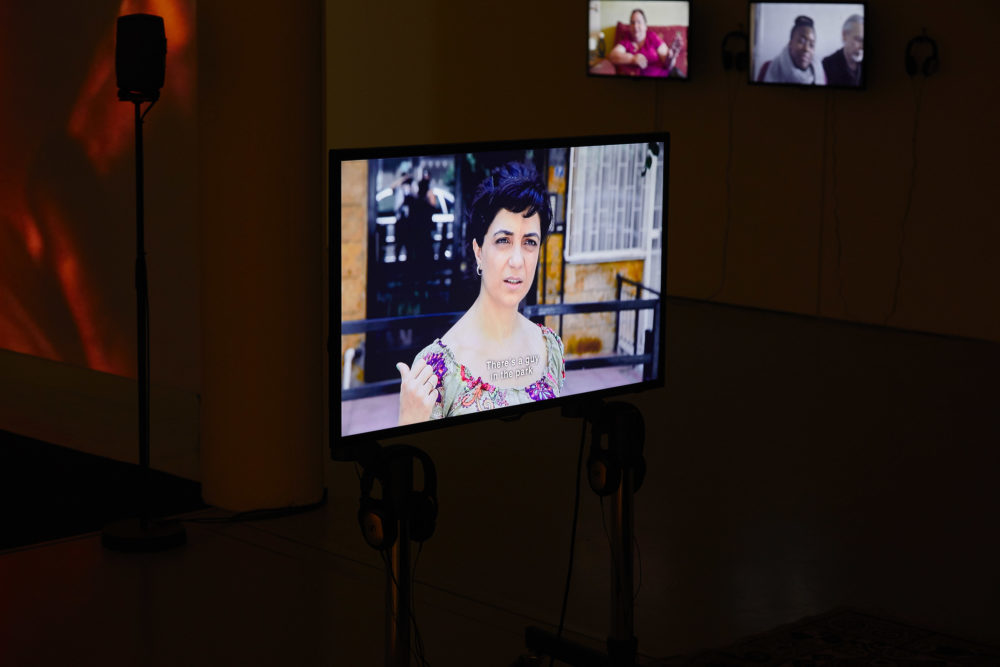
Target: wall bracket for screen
{"points": [[615, 471]]}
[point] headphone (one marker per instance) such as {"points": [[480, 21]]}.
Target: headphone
{"points": [[738, 60], [626, 431], [930, 64], [377, 517]]}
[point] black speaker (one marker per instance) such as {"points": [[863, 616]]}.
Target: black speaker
{"points": [[140, 56]]}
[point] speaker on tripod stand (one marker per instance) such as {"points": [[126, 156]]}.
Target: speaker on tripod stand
{"points": [[140, 70]]}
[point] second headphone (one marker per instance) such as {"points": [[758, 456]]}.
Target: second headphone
{"points": [[625, 429], [929, 65], [377, 517], [738, 60]]}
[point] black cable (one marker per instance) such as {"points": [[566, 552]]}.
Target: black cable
{"points": [[611, 548], [638, 555], [918, 99], [656, 106], [822, 205], [143, 116], [572, 539], [421, 653], [731, 105], [384, 553], [836, 207], [262, 514]]}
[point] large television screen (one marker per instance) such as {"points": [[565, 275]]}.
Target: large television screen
{"points": [[644, 40], [807, 44], [478, 280]]}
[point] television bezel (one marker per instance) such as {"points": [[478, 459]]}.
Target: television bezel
{"points": [[621, 77], [750, 44], [343, 445]]}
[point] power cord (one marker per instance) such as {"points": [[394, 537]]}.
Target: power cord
{"points": [[421, 653], [731, 106], [836, 207], [918, 99], [417, 647], [572, 539], [262, 514]]}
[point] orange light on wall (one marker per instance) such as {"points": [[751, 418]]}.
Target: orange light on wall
{"points": [[97, 121]]}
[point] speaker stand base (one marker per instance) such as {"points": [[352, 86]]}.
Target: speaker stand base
{"points": [[143, 535]]}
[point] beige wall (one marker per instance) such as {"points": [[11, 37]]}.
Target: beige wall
{"points": [[464, 79]]}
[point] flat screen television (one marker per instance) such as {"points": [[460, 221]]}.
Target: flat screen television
{"points": [[481, 280], [807, 44], [644, 40]]}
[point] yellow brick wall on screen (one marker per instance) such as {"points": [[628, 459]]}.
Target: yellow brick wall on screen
{"points": [[591, 333], [353, 249]]}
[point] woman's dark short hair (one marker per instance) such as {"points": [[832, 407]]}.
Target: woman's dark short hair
{"points": [[799, 22], [515, 187], [644, 20]]}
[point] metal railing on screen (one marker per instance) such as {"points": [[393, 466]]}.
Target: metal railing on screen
{"points": [[649, 359]]}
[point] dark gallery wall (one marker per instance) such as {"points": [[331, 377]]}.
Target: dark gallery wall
{"points": [[823, 413], [466, 71]]}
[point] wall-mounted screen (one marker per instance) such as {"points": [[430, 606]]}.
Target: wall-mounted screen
{"points": [[807, 44], [475, 280], [646, 40]]}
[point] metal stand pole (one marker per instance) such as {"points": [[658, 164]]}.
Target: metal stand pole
{"points": [[142, 534], [622, 645]]}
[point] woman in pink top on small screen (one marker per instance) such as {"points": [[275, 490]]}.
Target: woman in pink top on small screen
{"points": [[646, 50]]}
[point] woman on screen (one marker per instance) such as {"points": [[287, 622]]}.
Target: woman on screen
{"points": [[646, 50], [493, 356]]}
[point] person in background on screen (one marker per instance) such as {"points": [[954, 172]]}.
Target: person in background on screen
{"points": [[646, 50], [493, 356], [795, 62], [843, 66]]}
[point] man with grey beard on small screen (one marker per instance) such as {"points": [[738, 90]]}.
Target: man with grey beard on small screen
{"points": [[843, 67]]}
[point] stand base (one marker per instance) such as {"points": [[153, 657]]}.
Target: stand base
{"points": [[136, 536], [546, 643]]}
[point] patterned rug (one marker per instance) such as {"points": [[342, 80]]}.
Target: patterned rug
{"points": [[848, 638]]}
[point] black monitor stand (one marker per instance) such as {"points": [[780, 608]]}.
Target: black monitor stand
{"points": [[616, 471], [402, 514]]}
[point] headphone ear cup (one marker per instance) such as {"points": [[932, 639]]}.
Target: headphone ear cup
{"points": [[911, 65], [377, 525], [930, 66], [742, 61], [423, 519], [603, 473], [727, 60]]}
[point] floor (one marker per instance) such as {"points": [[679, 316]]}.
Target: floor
{"points": [[795, 466]]}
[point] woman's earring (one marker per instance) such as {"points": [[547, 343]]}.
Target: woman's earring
{"points": [[479, 269]]}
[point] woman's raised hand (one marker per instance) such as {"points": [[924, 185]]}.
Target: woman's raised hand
{"points": [[418, 392]]}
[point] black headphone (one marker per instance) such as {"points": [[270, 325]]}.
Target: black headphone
{"points": [[930, 64], [738, 60], [376, 516], [622, 422]]}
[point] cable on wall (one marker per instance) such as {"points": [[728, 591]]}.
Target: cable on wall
{"points": [[834, 195], [918, 94], [572, 539], [730, 108]]}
